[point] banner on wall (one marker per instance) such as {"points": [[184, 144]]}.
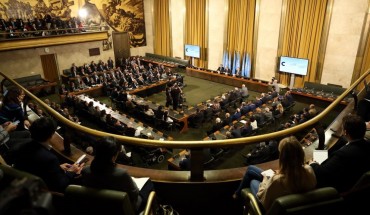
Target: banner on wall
{"points": [[120, 15]]}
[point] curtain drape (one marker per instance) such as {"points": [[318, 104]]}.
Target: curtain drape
{"points": [[240, 30], [162, 28], [196, 29], [366, 61], [304, 20]]}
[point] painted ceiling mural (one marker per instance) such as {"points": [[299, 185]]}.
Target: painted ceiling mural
{"points": [[120, 15]]}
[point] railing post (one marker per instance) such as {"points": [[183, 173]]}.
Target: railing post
{"points": [[67, 133], [196, 164]]}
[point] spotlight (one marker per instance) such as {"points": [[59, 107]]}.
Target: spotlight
{"points": [[82, 13]]}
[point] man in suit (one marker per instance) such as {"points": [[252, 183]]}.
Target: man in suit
{"points": [[63, 90], [235, 131], [344, 167], [221, 69], [36, 158], [185, 162]]}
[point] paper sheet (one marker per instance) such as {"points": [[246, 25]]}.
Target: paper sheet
{"points": [[320, 155], [268, 173]]}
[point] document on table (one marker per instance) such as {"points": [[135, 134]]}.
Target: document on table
{"points": [[140, 182], [243, 121], [320, 155]]}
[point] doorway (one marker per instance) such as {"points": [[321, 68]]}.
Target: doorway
{"points": [[50, 67]]}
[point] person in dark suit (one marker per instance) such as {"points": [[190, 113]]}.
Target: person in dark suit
{"points": [[63, 90], [36, 158], [227, 71], [103, 173], [349, 162], [175, 95], [216, 126], [235, 131], [246, 129], [221, 69], [185, 162]]}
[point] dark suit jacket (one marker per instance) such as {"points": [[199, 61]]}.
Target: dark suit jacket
{"points": [[344, 167], [185, 164], [236, 133], [38, 160]]}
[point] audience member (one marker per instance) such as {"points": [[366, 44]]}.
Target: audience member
{"points": [[12, 108], [185, 162], [104, 174], [36, 158], [293, 176], [11, 140], [353, 156]]}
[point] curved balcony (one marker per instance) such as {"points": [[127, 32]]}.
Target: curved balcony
{"points": [[34, 39]]}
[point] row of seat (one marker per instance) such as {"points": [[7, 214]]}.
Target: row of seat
{"points": [[324, 200], [17, 196]]}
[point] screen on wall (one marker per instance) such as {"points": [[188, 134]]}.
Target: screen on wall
{"points": [[192, 51], [293, 65]]}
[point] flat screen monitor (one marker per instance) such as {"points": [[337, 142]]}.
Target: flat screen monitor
{"points": [[293, 65], [192, 51]]}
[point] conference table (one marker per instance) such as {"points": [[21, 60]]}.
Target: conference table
{"points": [[252, 84], [144, 130]]}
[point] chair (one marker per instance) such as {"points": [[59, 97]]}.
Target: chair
{"points": [[87, 200], [289, 108], [324, 200], [356, 199], [21, 191], [277, 118]]}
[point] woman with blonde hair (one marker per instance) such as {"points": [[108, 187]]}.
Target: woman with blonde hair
{"points": [[292, 176]]}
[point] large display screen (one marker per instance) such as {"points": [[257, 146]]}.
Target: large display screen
{"points": [[192, 51], [293, 65]]}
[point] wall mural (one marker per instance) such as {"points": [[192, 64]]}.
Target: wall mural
{"points": [[120, 15]]}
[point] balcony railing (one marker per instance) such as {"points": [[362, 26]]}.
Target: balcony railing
{"points": [[41, 38], [197, 172]]}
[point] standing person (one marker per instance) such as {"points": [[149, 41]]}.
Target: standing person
{"points": [[104, 174], [12, 108], [168, 96], [244, 91], [175, 94], [293, 176], [275, 85], [347, 163], [36, 158]]}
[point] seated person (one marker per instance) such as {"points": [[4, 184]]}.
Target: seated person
{"points": [[12, 108], [185, 162], [246, 129], [354, 155], [36, 158], [220, 69], [227, 119], [215, 127], [236, 115], [235, 131], [104, 174], [253, 123], [292, 176]]}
